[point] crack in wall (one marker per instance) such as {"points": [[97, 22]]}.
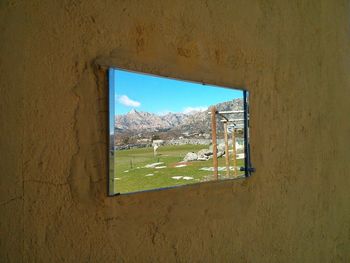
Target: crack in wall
{"points": [[76, 136], [85, 178], [11, 200]]}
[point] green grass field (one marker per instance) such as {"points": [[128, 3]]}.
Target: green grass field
{"points": [[131, 175]]}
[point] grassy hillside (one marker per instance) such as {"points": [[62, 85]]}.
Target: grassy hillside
{"points": [[131, 175]]}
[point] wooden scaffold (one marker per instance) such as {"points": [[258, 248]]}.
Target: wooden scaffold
{"points": [[214, 113]]}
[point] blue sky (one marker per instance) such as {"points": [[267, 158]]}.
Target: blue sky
{"points": [[162, 95]]}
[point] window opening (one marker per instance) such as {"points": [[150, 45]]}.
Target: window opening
{"points": [[167, 133]]}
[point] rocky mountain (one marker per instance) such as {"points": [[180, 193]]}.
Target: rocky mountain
{"points": [[137, 121]]}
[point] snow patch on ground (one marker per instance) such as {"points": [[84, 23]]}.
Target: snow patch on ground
{"points": [[152, 165], [149, 174], [182, 177], [160, 167], [180, 165]]}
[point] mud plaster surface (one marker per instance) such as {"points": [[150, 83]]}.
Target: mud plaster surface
{"points": [[293, 56]]}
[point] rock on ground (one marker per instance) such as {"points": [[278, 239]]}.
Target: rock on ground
{"points": [[204, 154], [191, 156]]}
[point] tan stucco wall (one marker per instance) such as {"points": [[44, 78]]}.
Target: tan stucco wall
{"points": [[293, 56]]}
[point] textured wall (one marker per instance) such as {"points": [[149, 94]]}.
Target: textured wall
{"points": [[293, 56]]}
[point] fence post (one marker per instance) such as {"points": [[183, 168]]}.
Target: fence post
{"points": [[234, 153], [227, 155], [214, 142]]}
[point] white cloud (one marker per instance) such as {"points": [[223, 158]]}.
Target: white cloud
{"points": [[126, 101], [189, 110]]}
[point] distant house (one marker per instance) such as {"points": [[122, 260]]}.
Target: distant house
{"points": [[158, 142]]}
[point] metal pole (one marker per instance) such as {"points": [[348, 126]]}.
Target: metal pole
{"points": [[213, 137], [234, 153], [246, 152], [227, 155]]}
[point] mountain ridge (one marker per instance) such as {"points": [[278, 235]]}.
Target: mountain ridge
{"points": [[137, 121]]}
